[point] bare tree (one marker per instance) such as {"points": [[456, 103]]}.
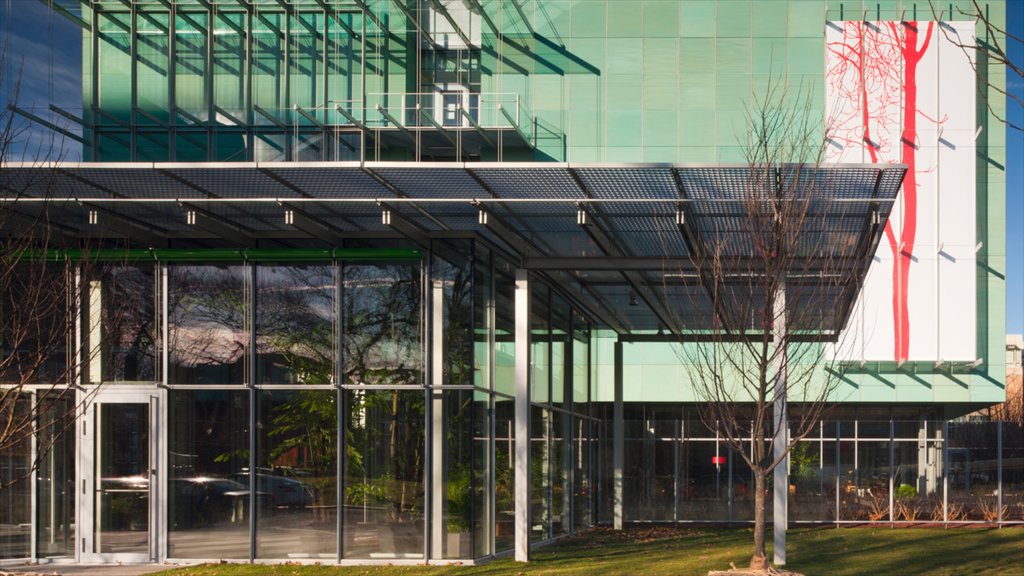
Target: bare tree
{"points": [[988, 51], [44, 265], [774, 274]]}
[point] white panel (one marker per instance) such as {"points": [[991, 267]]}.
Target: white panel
{"points": [[842, 107], [867, 59], [922, 289], [956, 203]]}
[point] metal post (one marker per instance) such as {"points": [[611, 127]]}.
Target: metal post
{"points": [[945, 474], [838, 473], [522, 416], [781, 473], [437, 531], [676, 487], [250, 324], [999, 471], [892, 454], [618, 441]]}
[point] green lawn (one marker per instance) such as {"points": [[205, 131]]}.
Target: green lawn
{"points": [[680, 551]]}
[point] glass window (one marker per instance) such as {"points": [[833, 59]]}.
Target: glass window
{"points": [[15, 473], [504, 473], [1013, 467], [705, 486], [461, 479], [33, 325], [560, 354], [208, 457], [455, 280], [580, 365], [297, 474], [208, 338], [128, 341], [384, 473], [190, 48], [482, 308], [811, 497], [504, 332], [481, 473], [864, 480], [582, 489], [561, 489], [540, 345], [540, 474], [383, 327], [973, 477], [55, 484], [295, 315]]}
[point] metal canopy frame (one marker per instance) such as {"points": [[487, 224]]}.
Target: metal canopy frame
{"points": [[617, 238]]}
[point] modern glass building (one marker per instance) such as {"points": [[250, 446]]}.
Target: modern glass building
{"points": [[392, 280]]}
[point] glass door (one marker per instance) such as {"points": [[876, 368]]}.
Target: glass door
{"points": [[119, 449]]}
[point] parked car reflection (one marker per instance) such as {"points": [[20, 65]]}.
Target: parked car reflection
{"points": [[208, 501], [283, 492]]}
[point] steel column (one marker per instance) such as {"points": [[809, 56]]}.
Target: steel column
{"points": [[618, 442], [437, 531], [522, 415], [781, 422]]}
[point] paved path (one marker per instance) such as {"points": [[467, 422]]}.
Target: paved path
{"points": [[82, 569]]}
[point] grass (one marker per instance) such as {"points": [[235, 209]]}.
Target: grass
{"points": [[658, 551]]}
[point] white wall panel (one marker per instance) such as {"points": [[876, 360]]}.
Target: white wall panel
{"points": [[933, 231]]}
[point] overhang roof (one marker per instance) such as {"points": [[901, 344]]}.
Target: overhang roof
{"points": [[641, 220]]}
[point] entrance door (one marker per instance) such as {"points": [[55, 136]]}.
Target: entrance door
{"points": [[449, 99], [119, 484]]}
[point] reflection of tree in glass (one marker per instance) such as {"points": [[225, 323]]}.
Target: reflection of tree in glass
{"points": [[382, 325], [128, 323], [458, 302], [305, 429], [384, 452], [294, 324], [207, 320]]}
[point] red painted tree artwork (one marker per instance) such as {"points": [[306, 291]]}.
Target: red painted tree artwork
{"points": [[872, 78]]}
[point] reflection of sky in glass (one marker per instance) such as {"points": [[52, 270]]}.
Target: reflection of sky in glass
{"points": [[295, 309], [382, 325], [45, 54], [207, 315]]}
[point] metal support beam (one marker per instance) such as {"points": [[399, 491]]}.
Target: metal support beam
{"points": [[383, 112], [220, 227], [65, 13], [45, 123], [522, 416], [415, 22], [128, 227], [313, 226], [512, 121], [618, 441], [476, 125], [780, 482], [635, 279], [444, 131]]}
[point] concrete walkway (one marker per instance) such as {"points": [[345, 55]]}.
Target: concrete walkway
{"points": [[82, 569]]}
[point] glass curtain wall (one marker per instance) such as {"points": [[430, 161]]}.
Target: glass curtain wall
{"points": [[847, 472], [504, 406], [222, 84], [298, 411], [561, 423], [384, 411]]}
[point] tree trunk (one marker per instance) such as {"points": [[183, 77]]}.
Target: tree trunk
{"points": [[759, 560]]}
